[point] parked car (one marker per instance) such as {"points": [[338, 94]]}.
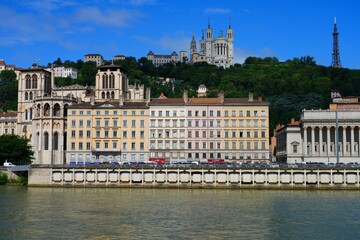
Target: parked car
{"points": [[8, 164]]}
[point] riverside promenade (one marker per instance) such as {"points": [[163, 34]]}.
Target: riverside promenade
{"points": [[167, 176]]}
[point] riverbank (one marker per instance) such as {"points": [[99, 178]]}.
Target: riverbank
{"points": [[192, 177]]}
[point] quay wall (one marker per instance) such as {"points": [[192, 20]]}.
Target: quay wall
{"points": [[187, 177]]}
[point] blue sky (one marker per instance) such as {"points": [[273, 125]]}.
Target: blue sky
{"points": [[47, 29]]}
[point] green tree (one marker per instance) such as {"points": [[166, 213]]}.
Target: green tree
{"points": [[8, 90], [15, 149], [87, 74]]}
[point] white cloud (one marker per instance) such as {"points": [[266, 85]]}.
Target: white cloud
{"points": [[48, 5], [176, 43], [217, 11], [108, 17]]}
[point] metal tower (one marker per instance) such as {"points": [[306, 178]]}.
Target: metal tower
{"points": [[336, 53]]}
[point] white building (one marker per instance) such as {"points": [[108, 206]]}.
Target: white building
{"points": [[217, 51], [62, 71], [94, 57], [314, 138]]}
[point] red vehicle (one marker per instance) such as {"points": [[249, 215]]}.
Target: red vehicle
{"points": [[157, 160], [216, 161]]}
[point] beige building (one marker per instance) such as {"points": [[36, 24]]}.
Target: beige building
{"points": [[94, 57], [161, 59], [8, 123], [112, 127]]}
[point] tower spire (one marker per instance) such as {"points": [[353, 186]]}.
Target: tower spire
{"points": [[229, 23], [208, 22], [336, 63]]}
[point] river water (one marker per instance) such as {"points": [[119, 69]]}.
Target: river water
{"points": [[113, 213]]}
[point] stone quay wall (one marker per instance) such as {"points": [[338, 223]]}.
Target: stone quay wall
{"points": [[189, 177]]}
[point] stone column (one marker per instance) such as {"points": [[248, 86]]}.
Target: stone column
{"points": [[305, 141], [320, 141], [352, 144], [328, 142], [312, 141], [344, 140]]}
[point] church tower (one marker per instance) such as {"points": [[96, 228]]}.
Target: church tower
{"points": [[230, 40], [336, 53], [208, 43]]}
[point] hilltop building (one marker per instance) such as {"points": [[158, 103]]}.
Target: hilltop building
{"points": [[94, 57], [217, 51], [8, 123], [161, 59], [119, 57], [61, 71]]}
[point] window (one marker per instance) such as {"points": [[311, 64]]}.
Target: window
{"points": [[211, 123], [248, 145], [97, 133], [256, 145], [233, 134], [204, 145], [226, 134], [73, 123], [197, 134], [142, 113], [88, 112], [167, 113], [174, 124], [197, 123], [98, 123], [88, 146], [141, 146], [174, 113], [152, 123], [295, 148], [124, 134], [204, 123], [218, 113], [189, 145], [256, 122], [189, 113], [189, 123], [133, 113], [81, 123], [133, 146], [233, 113], [114, 145], [88, 134], [153, 113], [125, 113], [124, 146], [204, 113], [226, 113], [263, 145], [248, 134], [226, 123], [106, 145], [160, 123], [248, 123], [115, 112], [72, 146], [106, 112], [88, 123], [115, 123], [97, 112], [106, 123], [211, 113], [81, 134], [233, 145], [160, 113], [97, 145], [142, 134], [218, 123], [248, 113], [73, 134], [133, 134], [255, 113], [263, 134], [263, 113], [256, 134], [196, 113], [80, 146], [204, 134], [124, 123], [142, 123], [133, 123]]}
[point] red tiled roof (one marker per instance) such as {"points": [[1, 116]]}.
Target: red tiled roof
{"points": [[92, 54], [8, 114], [2, 62]]}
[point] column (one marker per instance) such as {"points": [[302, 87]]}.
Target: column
{"points": [[320, 141], [352, 141], [328, 142], [344, 140], [312, 141], [305, 141]]}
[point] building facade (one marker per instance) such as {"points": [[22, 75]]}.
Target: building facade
{"points": [[62, 71], [161, 59], [8, 123], [324, 135], [218, 51], [94, 57], [199, 129]]}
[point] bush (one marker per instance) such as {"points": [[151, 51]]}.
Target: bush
{"points": [[3, 178]]}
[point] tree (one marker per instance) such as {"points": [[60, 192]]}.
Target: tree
{"points": [[15, 149], [88, 73], [8, 90]]}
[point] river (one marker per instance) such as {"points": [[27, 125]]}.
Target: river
{"points": [[118, 213]]}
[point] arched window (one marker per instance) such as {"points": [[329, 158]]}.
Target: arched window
{"points": [[46, 110], [27, 81], [66, 110], [46, 141], [30, 113], [103, 95], [56, 141], [30, 96], [26, 114], [56, 111], [26, 96], [34, 81], [112, 95], [37, 141], [107, 95], [112, 80], [106, 81]]}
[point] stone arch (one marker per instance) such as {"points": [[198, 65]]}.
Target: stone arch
{"points": [[38, 110], [107, 95], [103, 81], [56, 110], [112, 95], [46, 110], [26, 96], [30, 96], [30, 113], [103, 95]]}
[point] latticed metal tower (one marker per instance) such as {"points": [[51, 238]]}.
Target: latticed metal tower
{"points": [[336, 63]]}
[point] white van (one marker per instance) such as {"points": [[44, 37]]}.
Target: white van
{"points": [[8, 164]]}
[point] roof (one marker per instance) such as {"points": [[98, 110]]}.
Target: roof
{"points": [[8, 114], [206, 101], [166, 101], [98, 105], [93, 54], [2, 62], [111, 66]]}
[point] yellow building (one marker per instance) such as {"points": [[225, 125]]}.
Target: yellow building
{"points": [[8, 123]]}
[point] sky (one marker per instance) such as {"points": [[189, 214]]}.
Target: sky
{"points": [[43, 30]]}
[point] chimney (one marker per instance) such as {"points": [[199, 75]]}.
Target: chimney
{"points": [[92, 99], [147, 95], [251, 97], [260, 99], [221, 96], [185, 96], [121, 100]]}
